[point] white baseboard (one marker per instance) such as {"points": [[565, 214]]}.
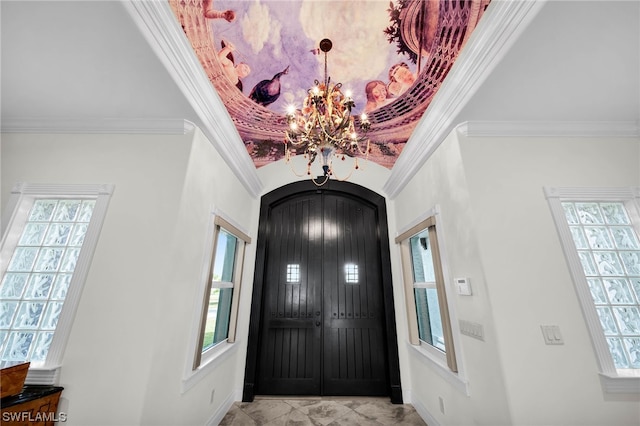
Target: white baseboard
{"points": [[424, 413], [223, 409]]}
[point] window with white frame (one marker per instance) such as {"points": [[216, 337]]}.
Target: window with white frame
{"points": [[599, 233], [220, 302], [49, 237], [429, 322]]}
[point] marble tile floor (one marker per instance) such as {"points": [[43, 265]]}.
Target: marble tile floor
{"points": [[321, 411]]}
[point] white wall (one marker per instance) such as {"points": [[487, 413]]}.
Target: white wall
{"points": [[278, 173], [442, 182], [527, 278], [128, 348], [498, 231], [126, 357]]}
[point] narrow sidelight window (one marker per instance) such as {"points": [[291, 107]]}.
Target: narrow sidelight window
{"points": [[220, 302], [425, 291], [429, 322]]}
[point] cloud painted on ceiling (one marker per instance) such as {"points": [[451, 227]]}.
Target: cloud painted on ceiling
{"points": [[262, 55]]}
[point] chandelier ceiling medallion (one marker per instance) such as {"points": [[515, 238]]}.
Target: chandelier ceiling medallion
{"points": [[326, 127]]}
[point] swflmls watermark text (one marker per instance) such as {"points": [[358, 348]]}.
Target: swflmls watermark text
{"points": [[31, 417]]}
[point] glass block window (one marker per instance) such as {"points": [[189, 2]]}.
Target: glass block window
{"points": [[351, 273], [609, 251], [48, 238], [429, 320], [220, 301], [598, 230], [37, 278], [293, 273]]}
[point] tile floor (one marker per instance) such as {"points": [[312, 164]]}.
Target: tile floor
{"points": [[321, 411]]}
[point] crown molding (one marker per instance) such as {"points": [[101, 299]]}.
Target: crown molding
{"points": [[96, 125], [499, 28], [159, 26], [621, 129]]}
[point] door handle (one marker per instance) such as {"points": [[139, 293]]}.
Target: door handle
{"points": [[318, 323]]}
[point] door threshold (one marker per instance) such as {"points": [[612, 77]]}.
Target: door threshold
{"points": [[319, 398]]}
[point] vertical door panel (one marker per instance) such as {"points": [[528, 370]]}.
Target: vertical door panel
{"points": [[354, 349], [290, 345]]}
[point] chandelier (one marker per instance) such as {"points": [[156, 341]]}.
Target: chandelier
{"points": [[325, 127]]}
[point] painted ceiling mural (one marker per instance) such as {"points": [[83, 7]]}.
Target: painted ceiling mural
{"points": [[263, 55]]}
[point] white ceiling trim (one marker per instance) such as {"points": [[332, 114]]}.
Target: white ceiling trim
{"points": [[156, 21], [98, 125], [496, 32], [614, 129]]}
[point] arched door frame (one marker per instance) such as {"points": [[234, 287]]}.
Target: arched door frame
{"points": [[340, 188]]}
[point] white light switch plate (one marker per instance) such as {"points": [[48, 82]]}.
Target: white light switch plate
{"points": [[551, 334], [472, 329]]}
